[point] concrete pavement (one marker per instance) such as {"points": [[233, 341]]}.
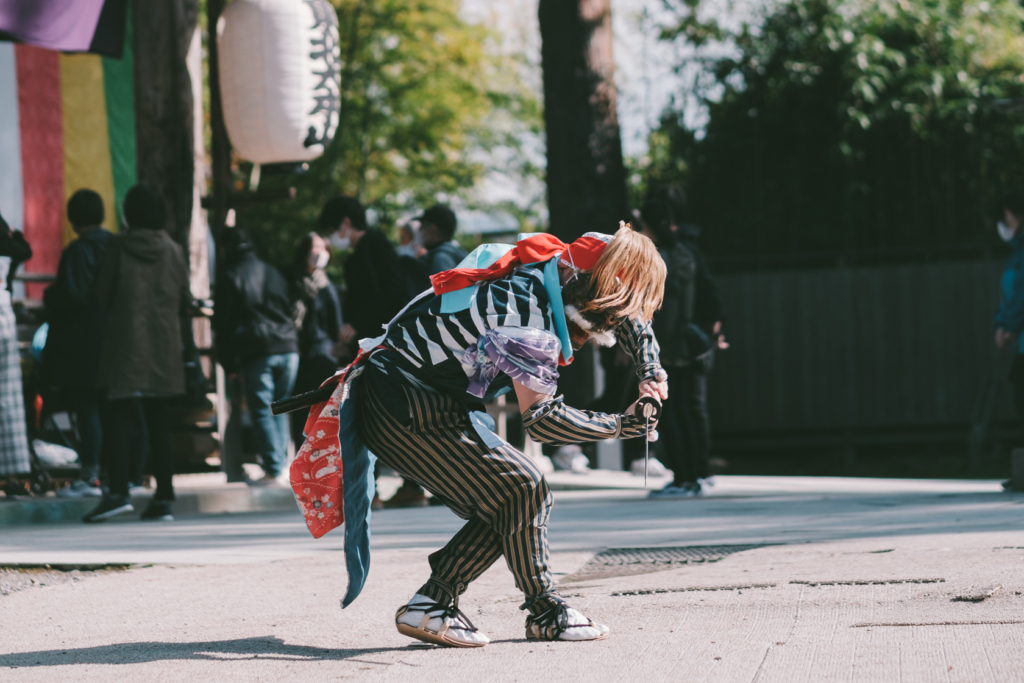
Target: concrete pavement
{"points": [[864, 580], [211, 493]]}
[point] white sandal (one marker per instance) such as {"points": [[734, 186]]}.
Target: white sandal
{"points": [[561, 622], [450, 627]]}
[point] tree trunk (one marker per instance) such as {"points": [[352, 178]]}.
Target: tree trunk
{"points": [[586, 177], [163, 106], [220, 146]]}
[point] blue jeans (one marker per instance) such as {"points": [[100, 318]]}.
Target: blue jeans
{"points": [[267, 380], [86, 404]]}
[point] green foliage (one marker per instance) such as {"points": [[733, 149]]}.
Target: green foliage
{"points": [[426, 98], [837, 125]]}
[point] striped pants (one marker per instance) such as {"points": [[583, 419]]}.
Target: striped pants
{"points": [[502, 494]]}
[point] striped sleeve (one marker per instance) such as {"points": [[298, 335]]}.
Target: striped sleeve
{"points": [[638, 340], [551, 421]]}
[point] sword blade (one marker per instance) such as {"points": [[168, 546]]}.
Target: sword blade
{"points": [[647, 451]]}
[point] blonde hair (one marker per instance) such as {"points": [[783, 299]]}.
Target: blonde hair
{"points": [[628, 281]]}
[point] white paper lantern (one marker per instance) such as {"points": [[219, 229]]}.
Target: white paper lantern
{"points": [[279, 77]]}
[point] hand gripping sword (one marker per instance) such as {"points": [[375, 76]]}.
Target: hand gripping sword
{"points": [[648, 408]]}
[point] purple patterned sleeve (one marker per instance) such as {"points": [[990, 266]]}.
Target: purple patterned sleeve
{"points": [[527, 355]]}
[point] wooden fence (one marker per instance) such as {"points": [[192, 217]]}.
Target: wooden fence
{"points": [[860, 352]]}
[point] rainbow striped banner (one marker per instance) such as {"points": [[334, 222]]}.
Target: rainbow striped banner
{"points": [[67, 122]]}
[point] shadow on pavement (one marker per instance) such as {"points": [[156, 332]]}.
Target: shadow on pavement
{"points": [[265, 648]]}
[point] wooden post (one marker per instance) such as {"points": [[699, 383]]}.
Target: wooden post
{"points": [[220, 145], [586, 177], [163, 105], [229, 389]]}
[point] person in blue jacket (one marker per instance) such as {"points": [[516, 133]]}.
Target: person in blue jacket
{"points": [[1009, 319]]}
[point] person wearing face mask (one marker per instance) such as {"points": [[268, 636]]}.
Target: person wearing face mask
{"points": [[435, 252], [375, 289], [1009, 318], [409, 251], [316, 309], [409, 242], [256, 339]]}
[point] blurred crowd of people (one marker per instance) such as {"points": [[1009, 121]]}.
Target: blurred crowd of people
{"points": [[119, 345], [118, 319], [120, 337], [119, 352]]}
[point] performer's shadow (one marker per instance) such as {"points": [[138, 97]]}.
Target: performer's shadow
{"points": [[264, 648]]}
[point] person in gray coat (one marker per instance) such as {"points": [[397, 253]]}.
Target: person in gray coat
{"points": [[143, 286]]}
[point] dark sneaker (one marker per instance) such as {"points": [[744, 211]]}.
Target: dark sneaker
{"points": [[80, 489], [686, 489], [158, 511], [110, 506], [408, 496], [268, 481]]}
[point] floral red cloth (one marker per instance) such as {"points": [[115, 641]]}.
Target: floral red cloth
{"points": [[316, 472]]}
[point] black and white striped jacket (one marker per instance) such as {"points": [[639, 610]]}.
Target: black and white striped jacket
{"points": [[432, 345]]}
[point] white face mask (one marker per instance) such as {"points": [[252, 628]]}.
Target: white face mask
{"points": [[407, 249], [340, 243], [320, 260], [1006, 233]]}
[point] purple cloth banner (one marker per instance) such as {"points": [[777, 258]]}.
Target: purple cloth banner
{"points": [[65, 25]]}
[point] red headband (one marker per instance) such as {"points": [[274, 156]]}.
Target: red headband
{"points": [[536, 248]]}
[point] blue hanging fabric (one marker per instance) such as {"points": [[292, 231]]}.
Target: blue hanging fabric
{"points": [[482, 257], [553, 285], [357, 478]]}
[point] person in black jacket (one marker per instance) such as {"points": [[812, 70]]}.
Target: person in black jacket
{"points": [[437, 230], [71, 356], [691, 298], [707, 305], [375, 288], [316, 309], [256, 338]]}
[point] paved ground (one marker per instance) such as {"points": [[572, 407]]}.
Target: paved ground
{"points": [[210, 493], [864, 580]]}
